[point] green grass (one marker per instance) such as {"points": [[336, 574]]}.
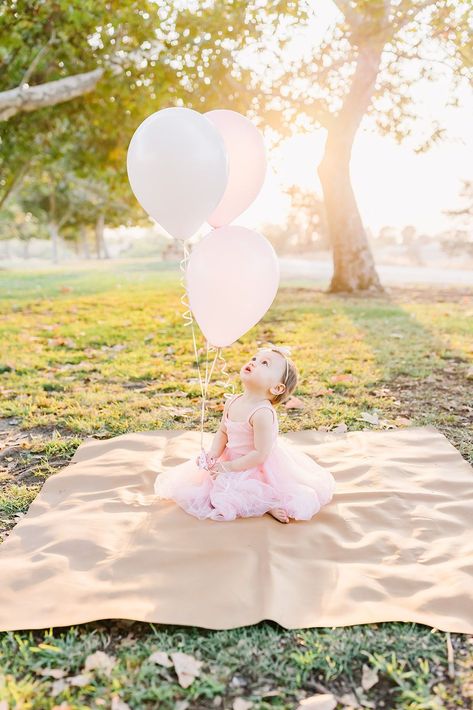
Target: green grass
{"points": [[102, 349]]}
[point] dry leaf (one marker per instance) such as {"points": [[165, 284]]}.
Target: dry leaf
{"points": [[67, 342], [100, 661], [402, 421], [369, 677], [294, 403], [119, 704], [370, 418], [344, 377], [58, 686], [187, 667], [80, 680], [322, 701], [129, 640], [241, 704], [349, 699], [340, 428], [53, 672], [181, 705], [161, 657]]}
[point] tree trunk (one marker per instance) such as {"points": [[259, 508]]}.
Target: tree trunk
{"points": [[83, 242], [99, 237], [54, 234], [353, 261]]}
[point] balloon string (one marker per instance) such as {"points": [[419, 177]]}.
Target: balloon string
{"points": [[188, 317], [207, 381], [224, 372]]}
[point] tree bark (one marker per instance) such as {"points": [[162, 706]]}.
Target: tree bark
{"points": [[53, 226], [99, 231], [101, 245], [354, 267], [31, 98], [54, 234], [83, 242]]}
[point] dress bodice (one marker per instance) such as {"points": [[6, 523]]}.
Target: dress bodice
{"points": [[240, 433]]}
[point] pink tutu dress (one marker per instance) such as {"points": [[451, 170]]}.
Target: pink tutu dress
{"points": [[287, 479]]}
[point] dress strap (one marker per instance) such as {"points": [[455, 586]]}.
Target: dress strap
{"points": [[260, 406], [235, 396]]}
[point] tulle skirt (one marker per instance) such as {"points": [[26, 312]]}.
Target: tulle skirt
{"points": [[287, 479]]}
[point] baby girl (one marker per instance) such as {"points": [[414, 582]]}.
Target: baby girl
{"points": [[248, 471]]}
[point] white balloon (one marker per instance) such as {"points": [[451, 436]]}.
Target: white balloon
{"points": [[177, 166]]}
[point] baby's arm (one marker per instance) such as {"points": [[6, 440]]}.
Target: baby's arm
{"points": [[220, 439], [263, 439]]}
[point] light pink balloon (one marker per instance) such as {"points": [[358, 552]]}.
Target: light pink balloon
{"points": [[246, 160], [232, 278]]}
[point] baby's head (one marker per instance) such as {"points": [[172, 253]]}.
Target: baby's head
{"points": [[270, 373]]}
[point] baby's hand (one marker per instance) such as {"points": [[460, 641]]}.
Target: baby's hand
{"points": [[219, 468], [204, 460]]}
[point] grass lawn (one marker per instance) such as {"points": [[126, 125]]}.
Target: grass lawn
{"points": [[102, 349]]}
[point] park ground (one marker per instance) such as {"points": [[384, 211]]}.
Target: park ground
{"points": [[102, 349]]}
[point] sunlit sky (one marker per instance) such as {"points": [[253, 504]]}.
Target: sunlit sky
{"points": [[393, 185]]}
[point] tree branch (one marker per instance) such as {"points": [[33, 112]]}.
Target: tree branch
{"points": [[37, 59], [51, 93], [354, 18]]}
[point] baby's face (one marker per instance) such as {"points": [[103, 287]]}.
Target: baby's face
{"points": [[264, 370]]}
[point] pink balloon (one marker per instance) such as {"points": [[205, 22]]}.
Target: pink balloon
{"points": [[246, 160], [232, 278]]}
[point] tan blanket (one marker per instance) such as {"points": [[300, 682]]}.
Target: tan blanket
{"points": [[394, 544]]}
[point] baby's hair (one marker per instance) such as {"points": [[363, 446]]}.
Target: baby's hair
{"points": [[290, 376]]}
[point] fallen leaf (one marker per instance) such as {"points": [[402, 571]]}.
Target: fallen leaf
{"points": [[402, 421], [53, 672], [119, 704], [369, 677], [322, 701], [370, 418], [187, 667], [80, 680], [58, 686], [241, 704], [59, 342], [322, 391], [349, 699], [340, 428], [294, 403], [129, 640], [344, 377], [161, 657], [100, 661]]}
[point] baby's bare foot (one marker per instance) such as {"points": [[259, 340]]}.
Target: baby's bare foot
{"points": [[280, 514]]}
